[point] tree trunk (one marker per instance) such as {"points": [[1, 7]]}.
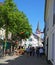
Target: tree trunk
{"points": [[6, 33], [5, 41]]}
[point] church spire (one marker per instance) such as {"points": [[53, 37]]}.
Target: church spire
{"points": [[38, 32], [38, 27]]}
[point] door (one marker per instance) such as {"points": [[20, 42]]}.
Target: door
{"points": [[47, 47]]}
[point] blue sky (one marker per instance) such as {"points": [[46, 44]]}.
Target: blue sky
{"points": [[34, 10]]}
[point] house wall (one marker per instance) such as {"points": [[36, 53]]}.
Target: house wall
{"points": [[50, 30], [2, 33], [51, 47], [49, 33]]}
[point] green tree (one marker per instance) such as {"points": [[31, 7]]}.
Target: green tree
{"points": [[7, 16], [23, 26], [13, 20]]}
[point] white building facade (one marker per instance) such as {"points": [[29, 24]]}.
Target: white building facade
{"points": [[2, 34], [33, 41], [50, 30]]}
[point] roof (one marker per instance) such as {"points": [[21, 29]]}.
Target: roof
{"points": [[35, 35]]}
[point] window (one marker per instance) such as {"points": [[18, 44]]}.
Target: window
{"points": [[54, 13], [30, 39], [53, 19]]}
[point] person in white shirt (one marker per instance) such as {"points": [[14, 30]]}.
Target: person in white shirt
{"points": [[41, 51]]}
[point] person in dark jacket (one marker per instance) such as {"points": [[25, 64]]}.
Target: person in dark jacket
{"points": [[33, 51]]}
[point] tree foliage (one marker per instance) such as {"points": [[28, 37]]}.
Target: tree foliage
{"points": [[13, 20]]}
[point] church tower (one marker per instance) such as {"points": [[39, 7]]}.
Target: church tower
{"points": [[38, 29], [38, 33]]}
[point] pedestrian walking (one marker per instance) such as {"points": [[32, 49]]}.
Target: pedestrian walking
{"points": [[37, 51], [41, 51], [33, 51], [30, 51]]}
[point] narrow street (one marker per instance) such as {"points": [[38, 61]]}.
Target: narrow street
{"points": [[27, 32], [27, 60]]}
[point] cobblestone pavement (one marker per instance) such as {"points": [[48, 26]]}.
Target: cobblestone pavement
{"points": [[27, 60]]}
